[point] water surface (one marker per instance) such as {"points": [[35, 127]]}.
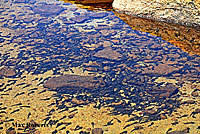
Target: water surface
{"points": [[118, 79]]}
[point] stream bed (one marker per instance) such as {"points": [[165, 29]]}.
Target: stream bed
{"points": [[65, 69]]}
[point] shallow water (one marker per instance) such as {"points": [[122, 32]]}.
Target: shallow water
{"points": [[75, 70]]}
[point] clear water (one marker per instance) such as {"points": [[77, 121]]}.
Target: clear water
{"points": [[138, 83]]}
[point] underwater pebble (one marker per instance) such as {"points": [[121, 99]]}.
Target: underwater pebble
{"points": [[97, 131], [48, 9], [8, 72], [108, 53]]}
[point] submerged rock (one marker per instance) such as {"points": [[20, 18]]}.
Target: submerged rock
{"points": [[162, 69], [8, 72], [80, 19], [73, 82], [165, 91], [108, 53], [48, 9], [97, 131], [184, 131]]}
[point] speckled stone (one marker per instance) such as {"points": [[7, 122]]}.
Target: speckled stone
{"points": [[185, 12], [72, 82], [108, 53], [48, 9], [8, 72], [97, 131]]}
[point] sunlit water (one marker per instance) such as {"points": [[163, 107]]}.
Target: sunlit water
{"points": [[115, 78]]}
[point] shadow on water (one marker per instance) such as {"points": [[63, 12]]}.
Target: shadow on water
{"points": [[129, 62]]}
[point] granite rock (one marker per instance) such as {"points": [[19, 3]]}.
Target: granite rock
{"points": [[185, 12]]}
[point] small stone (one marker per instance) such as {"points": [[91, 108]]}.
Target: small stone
{"points": [[48, 9], [188, 102], [8, 72], [162, 69], [106, 68], [12, 132], [156, 46], [197, 110], [195, 94], [108, 32], [162, 116], [150, 112], [28, 20], [66, 82], [75, 100], [68, 22], [106, 44], [80, 18], [97, 131], [98, 15], [45, 21], [93, 69], [108, 53], [138, 127], [164, 91], [184, 131], [174, 119]]}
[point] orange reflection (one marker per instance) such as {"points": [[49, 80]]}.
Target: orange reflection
{"points": [[186, 38]]}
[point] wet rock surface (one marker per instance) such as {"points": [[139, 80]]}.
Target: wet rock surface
{"points": [[97, 131], [72, 82], [8, 72], [47, 9], [108, 53], [161, 69], [165, 91], [182, 12], [185, 131]]}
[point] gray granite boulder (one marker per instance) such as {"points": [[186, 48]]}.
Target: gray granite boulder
{"points": [[185, 12]]}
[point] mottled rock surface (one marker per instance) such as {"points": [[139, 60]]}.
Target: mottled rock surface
{"points": [[165, 91], [47, 9], [97, 131], [160, 69], [108, 53], [8, 72], [185, 12], [72, 82], [185, 131]]}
